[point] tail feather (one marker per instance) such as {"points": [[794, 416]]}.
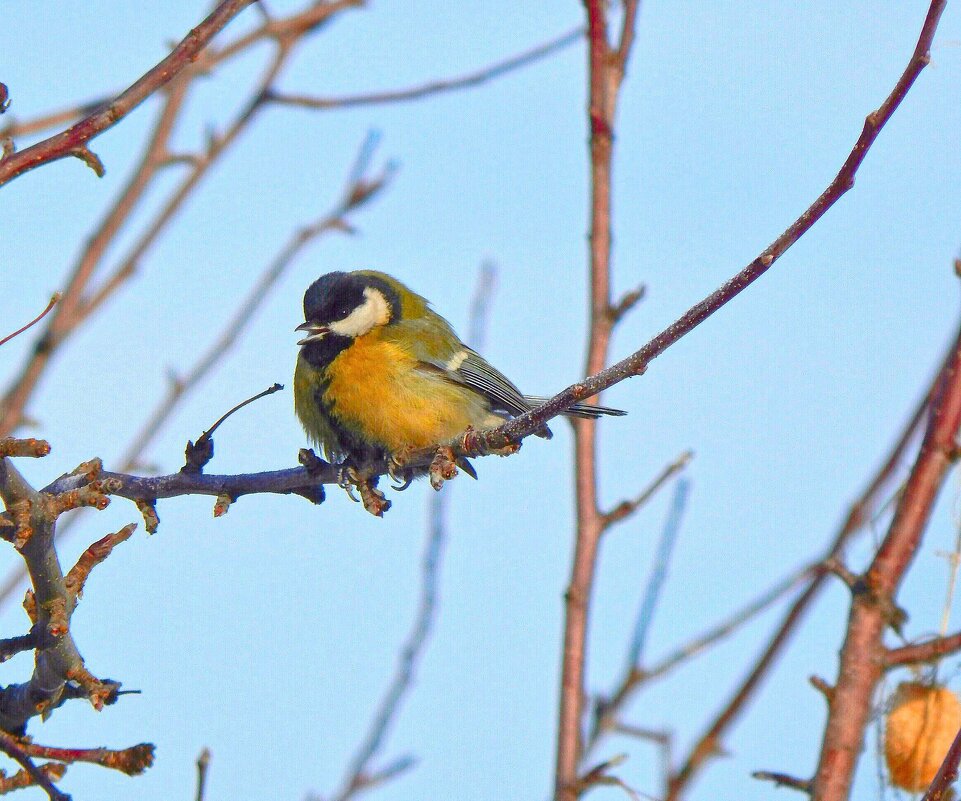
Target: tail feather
{"points": [[587, 411]]}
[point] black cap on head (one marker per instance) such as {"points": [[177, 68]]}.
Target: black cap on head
{"points": [[332, 297], [335, 295]]}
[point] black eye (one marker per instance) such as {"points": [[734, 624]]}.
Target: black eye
{"points": [[342, 312]]}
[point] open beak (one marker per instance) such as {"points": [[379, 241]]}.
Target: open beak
{"points": [[314, 331]]}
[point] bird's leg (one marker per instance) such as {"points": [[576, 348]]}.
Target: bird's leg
{"points": [[345, 483], [373, 499], [398, 470]]}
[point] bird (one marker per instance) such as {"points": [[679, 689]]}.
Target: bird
{"points": [[380, 374]]}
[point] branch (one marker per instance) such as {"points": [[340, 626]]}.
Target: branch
{"points": [[604, 81], [203, 765], [862, 657], [14, 128], [669, 535], [73, 141], [947, 774], [929, 651], [638, 362], [38, 776], [34, 321], [626, 508], [425, 90], [859, 514], [784, 780], [58, 660], [68, 314], [359, 775]]}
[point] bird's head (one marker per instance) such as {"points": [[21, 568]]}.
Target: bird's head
{"points": [[349, 305]]}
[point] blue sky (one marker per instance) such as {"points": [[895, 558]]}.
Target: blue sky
{"points": [[269, 634]]}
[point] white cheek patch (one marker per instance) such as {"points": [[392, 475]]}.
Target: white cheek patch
{"points": [[372, 312]]}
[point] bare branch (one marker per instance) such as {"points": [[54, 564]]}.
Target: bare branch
{"points": [[41, 778], [425, 90], [947, 774], [859, 513], [604, 80], [203, 765], [53, 302], [637, 363], [669, 534], [55, 119], [784, 780], [74, 140], [928, 651], [626, 508], [862, 657]]}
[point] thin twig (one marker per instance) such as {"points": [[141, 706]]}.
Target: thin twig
{"points": [[626, 508], [203, 765], [53, 302], [425, 90], [54, 119], [73, 141], [784, 780], [645, 615], [359, 776]]}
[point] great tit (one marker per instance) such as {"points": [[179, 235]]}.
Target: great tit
{"points": [[380, 373]]}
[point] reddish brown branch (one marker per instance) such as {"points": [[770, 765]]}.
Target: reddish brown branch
{"points": [[132, 761], [39, 777], [34, 321], [16, 128], [863, 655], [947, 774], [637, 362], [54, 771], [605, 73], [928, 651], [73, 141], [859, 513], [93, 556]]}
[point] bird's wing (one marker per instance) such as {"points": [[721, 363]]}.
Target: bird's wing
{"points": [[435, 345], [478, 373]]}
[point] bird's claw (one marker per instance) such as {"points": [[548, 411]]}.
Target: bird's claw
{"points": [[398, 470], [405, 480], [373, 499]]}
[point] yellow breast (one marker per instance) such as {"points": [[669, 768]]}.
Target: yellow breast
{"points": [[378, 389]]}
